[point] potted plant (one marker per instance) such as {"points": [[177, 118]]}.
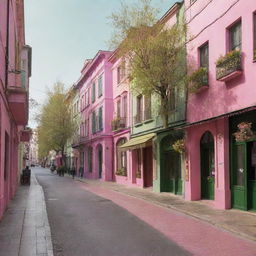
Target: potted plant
{"points": [[198, 80], [179, 146], [227, 64], [244, 132]]}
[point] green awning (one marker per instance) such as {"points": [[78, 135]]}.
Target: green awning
{"points": [[138, 142]]}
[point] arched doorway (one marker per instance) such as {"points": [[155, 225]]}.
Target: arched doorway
{"points": [[207, 166], [100, 160]]}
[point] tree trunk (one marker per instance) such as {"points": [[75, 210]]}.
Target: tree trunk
{"points": [[165, 110]]}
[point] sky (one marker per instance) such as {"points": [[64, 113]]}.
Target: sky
{"points": [[63, 33]]}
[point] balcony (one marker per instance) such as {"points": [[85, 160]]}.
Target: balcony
{"points": [[198, 80], [18, 102], [229, 66], [118, 123]]}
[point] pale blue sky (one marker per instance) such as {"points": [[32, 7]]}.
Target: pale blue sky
{"points": [[63, 33]]}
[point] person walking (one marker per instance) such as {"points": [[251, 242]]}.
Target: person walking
{"points": [[73, 171]]}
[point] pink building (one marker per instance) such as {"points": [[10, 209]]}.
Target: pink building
{"points": [[96, 106], [124, 169], [221, 165], [15, 70]]}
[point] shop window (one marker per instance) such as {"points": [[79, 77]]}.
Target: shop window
{"points": [[235, 42], [121, 156]]}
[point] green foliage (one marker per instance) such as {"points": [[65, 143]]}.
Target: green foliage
{"points": [[121, 172], [55, 122], [198, 79], [156, 54], [232, 55]]}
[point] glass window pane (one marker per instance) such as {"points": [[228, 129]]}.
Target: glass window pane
{"points": [[235, 37], [240, 167]]}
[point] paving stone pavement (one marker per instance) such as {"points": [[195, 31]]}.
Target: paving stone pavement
{"points": [[240, 223], [24, 229]]}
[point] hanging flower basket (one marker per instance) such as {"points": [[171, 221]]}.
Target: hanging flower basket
{"points": [[244, 132], [179, 146]]}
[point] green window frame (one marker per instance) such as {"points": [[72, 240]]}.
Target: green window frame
{"points": [[100, 119]]}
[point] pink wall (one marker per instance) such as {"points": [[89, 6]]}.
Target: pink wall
{"points": [[8, 126], [207, 21]]}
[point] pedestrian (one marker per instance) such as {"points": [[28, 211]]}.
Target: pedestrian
{"points": [[81, 171], [73, 171]]}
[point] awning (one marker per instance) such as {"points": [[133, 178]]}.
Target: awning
{"points": [[138, 142]]}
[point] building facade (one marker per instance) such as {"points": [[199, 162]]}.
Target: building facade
{"points": [[221, 110], [96, 110], [15, 70]]}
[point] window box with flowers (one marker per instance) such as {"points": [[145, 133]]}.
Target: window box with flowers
{"points": [[229, 66], [179, 146], [121, 172], [199, 80]]}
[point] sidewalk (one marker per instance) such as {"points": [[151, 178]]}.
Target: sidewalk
{"points": [[238, 222], [24, 229]]}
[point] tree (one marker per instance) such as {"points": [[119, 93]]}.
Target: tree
{"points": [[55, 122], [155, 53]]}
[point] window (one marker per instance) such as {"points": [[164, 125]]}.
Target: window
{"points": [[87, 127], [93, 122], [100, 119], [100, 86], [172, 99], [254, 36], [121, 72], [235, 37], [147, 107], [93, 92], [125, 109], [90, 158], [204, 55], [118, 108], [139, 109]]}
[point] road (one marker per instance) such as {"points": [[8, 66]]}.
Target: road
{"points": [[84, 224]]}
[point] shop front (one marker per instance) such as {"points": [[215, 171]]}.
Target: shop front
{"points": [[243, 161]]}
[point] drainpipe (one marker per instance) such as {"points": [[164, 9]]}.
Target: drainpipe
{"points": [[7, 44]]}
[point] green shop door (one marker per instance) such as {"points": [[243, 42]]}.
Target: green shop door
{"points": [[207, 166], [171, 171], [244, 176]]}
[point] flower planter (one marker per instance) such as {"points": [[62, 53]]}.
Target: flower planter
{"points": [[139, 182], [121, 179], [199, 80], [229, 66]]}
